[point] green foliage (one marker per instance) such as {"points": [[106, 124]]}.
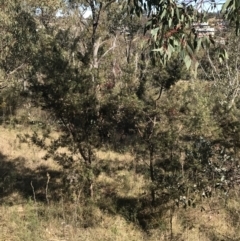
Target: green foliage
{"points": [[100, 81], [231, 10], [10, 100], [171, 22]]}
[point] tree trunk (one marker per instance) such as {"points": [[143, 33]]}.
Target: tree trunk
{"points": [[151, 169]]}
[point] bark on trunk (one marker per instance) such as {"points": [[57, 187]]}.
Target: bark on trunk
{"points": [[151, 169]]}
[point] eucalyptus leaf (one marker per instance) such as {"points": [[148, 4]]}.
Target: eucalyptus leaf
{"points": [[187, 60]]}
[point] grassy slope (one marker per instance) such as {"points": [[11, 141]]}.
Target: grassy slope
{"points": [[23, 175]]}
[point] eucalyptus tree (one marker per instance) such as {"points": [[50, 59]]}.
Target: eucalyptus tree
{"points": [[170, 23]]}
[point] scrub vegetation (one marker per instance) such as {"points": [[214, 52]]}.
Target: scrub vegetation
{"points": [[113, 127]]}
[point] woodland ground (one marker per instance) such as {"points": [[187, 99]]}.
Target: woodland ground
{"points": [[34, 207]]}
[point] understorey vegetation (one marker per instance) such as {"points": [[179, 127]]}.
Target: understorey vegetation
{"points": [[116, 118]]}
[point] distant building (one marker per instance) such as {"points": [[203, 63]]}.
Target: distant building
{"points": [[203, 29]]}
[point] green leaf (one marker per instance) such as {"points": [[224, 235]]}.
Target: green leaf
{"points": [[226, 54], [170, 22], [170, 51], [189, 47], [199, 43], [182, 54], [158, 50], [182, 18], [163, 14], [177, 12], [221, 58], [176, 42], [195, 69], [172, 12], [187, 60], [154, 33]]}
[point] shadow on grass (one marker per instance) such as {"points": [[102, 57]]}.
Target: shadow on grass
{"points": [[139, 211], [16, 178]]}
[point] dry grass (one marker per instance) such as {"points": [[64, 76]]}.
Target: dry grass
{"points": [[124, 180], [113, 156], [12, 147], [21, 218], [23, 222]]}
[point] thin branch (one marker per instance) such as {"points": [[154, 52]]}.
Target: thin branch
{"points": [[46, 190], [203, 69], [110, 2], [214, 70], [229, 74], [113, 46], [71, 131], [33, 190], [16, 69]]}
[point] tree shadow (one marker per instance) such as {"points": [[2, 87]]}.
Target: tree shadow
{"points": [[15, 177], [138, 210]]}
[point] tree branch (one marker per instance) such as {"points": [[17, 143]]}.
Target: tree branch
{"points": [[113, 46], [16, 69]]}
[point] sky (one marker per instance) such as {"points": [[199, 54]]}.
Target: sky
{"points": [[206, 6]]}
